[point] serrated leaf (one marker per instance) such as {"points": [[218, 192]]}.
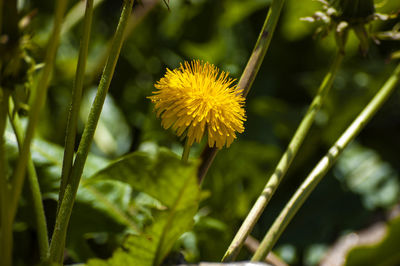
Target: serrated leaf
{"points": [[171, 182], [160, 176]]}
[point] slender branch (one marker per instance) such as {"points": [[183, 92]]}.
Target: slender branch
{"points": [[34, 187], [60, 229], [249, 73], [6, 224], [76, 101], [324, 165], [38, 102], [285, 161]]}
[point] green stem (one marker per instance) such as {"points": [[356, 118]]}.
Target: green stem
{"points": [[138, 14], [284, 163], [63, 216], [76, 101], [186, 151], [324, 165], [6, 224], [261, 47], [76, 13], [1, 16], [250, 72], [37, 105], [34, 188]]}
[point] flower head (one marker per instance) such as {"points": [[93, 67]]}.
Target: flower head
{"points": [[195, 98]]}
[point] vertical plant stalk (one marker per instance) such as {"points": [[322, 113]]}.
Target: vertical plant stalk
{"points": [[76, 101], [9, 29], [37, 105], [34, 188], [249, 73], [6, 224], [186, 151], [285, 161], [63, 216], [324, 165], [1, 16]]}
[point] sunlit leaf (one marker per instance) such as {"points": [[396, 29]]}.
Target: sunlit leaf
{"points": [[385, 253], [173, 184]]}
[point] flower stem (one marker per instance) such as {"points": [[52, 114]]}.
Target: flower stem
{"points": [[34, 189], [1, 15], [284, 163], [249, 74], [63, 216], [261, 47], [76, 101], [6, 224], [186, 151], [324, 165], [38, 102]]}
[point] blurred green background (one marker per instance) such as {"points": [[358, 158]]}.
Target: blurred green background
{"points": [[360, 190]]}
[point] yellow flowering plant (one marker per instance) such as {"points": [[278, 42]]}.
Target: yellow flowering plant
{"points": [[195, 99], [139, 206]]}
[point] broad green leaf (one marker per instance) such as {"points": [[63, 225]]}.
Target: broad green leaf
{"points": [[384, 253], [45, 153], [101, 208], [111, 139], [171, 182], [100, 212], [162, 176]]}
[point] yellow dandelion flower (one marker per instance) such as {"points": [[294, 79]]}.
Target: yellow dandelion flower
{"points": [[195, 98]]}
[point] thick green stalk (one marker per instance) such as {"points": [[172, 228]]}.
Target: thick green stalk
{"points": [[324, 165], [5, 222], [76, 101], [249, 73], [34, 188], [37, 105], [63, 216], [284, 163]]}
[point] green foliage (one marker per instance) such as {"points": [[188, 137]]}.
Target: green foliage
{"points": [[130, 210], [384, 253], [174, 184], [365, 173], [111, 139], [294, 28]]}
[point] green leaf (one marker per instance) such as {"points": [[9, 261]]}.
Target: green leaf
{"points": [[384, 253], [99, 215], [237, 11], [111, 139], [174, 184], [101, 209], [47, 154]]}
